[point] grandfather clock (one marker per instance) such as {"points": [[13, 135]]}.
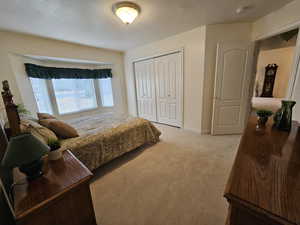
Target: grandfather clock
{"points": [[269, 81]]}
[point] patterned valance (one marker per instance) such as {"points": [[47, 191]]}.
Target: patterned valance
{"points": [[45, 72]]}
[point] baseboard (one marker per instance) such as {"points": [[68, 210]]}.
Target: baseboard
{"points": [[205, 132], [198, 131], [193, 130]]}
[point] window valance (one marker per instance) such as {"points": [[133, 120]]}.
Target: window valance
{"points": [[45, 72]]}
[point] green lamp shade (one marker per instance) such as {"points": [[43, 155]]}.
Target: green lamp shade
{"points": [[23, 149]]}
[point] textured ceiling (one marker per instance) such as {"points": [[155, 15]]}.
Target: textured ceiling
{"points": [[92, 22]]}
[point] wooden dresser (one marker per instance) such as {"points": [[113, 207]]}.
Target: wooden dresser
{"points": [[61, 197], [264, 184]]}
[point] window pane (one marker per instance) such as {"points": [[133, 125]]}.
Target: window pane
{"points": [[106, 92], [73, 95], [41, 95]]}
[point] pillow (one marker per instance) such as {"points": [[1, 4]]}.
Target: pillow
{"points": [[28, 117], [40, 132], [60, 128], [43, 116]]}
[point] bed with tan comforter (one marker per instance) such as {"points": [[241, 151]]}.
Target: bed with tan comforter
{"points": [[105, 136]]}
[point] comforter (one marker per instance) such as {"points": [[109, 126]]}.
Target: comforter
{"points": [[105, 137]]}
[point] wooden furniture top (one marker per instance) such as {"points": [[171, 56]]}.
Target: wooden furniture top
{"points": [[62, 175], [266, 172]]}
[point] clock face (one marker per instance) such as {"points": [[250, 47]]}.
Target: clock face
{"points": [[270, 72]]}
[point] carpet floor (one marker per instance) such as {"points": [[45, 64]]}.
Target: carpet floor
{"points": [[178, 181]]}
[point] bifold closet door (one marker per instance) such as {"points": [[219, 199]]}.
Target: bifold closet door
{"points": [[169, 88], [145, 89]]}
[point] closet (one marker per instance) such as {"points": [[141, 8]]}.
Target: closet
{"points": [[159, 89]]}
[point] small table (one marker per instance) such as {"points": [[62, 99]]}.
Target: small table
{"points": [[264, 184], [61, 197]]}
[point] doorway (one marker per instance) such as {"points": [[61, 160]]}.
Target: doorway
{"points": [[275, 57]]}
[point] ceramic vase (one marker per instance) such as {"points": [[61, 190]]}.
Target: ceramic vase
{"points": [[54, 155], [283, 117]]}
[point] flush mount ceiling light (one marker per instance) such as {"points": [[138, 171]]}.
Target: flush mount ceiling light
{"points": [[126, 11], [243, 9]]}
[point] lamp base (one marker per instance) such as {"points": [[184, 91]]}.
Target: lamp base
{"points": [[32, 170]]}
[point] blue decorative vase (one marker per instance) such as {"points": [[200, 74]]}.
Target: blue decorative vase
{"points": [[283, 117]]}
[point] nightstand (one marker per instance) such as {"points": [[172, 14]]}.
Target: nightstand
{"points": [[61, 197]]}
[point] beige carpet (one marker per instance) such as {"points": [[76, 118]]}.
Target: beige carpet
{"points": [[179, 181]]}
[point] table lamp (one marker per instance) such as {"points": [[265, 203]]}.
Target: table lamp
{"points": [[25, 151]]}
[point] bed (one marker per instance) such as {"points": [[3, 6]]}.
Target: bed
{"points": [[106, 136], [101, 137]]}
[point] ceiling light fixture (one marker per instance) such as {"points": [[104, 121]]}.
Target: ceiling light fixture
{"points": [[126, 11], [243, 9]]}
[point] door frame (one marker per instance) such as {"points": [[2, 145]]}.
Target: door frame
{"points": [[295, 74], [164, 53], [295, 71]]}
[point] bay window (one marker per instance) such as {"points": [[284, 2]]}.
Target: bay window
{"points": [[41, 95], [106, 92], [74, 95], [65, 96]]}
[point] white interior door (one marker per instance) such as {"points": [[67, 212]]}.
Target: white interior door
{"points": [[145, 89], [169, 89], [232, 82]]}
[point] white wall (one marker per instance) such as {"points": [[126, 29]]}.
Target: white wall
{"points": [[193, 43], [214, 34], [199, 77], [200, 47], [12, 68], [277, 21]]}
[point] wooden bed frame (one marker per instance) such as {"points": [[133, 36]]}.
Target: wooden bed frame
{"points": [[3, 141], [6, 176], [12, 116]]}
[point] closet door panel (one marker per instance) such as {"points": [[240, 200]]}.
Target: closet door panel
{"points": [[145, 89], [169, 83]]}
